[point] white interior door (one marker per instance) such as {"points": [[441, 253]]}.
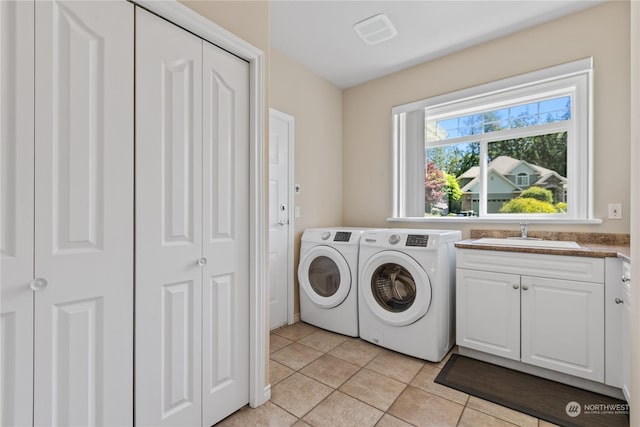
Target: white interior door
{"points": [[168, 223], [84, 205], [280, 218], [16, 215], [225, 246]]}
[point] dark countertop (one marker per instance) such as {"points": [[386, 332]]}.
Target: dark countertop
{"points": [[592, 245], [591, 251]]}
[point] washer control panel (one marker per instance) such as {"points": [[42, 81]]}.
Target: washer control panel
{"points": [[420, 240], [342, 236]]}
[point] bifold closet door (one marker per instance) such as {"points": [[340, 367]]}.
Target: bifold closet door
{"points": [[225, 365], [168, 223], [16, 216], [192, 227], [83, 341]]}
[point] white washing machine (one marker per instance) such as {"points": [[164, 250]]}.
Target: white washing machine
{"points": [[327, 274], [407, 290]]}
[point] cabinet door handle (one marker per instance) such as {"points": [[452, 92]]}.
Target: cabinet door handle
{"points": [[619, 301], [202, 261], [525, 287], [515, 286]]}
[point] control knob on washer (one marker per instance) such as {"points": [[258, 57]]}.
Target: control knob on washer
{"points": [[394, 239], [325, 235]]}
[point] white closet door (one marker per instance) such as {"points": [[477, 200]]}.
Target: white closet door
{"points": [[16, 216], [168, 223], [225, 366], [84, 213]]}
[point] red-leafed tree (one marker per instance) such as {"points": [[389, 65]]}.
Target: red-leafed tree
{"points": [[434, 185]]}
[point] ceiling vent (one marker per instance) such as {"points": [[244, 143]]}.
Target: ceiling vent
{"points": [[376, 29]]}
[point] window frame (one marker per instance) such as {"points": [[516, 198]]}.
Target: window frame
{"points": [[574, 79], [524, 182]]}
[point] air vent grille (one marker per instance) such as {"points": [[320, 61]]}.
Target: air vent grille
{"points": [[376, 29]]}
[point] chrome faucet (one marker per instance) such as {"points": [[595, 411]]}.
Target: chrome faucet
{"points": [[524, 228]]}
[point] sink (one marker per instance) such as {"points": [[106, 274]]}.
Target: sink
{"points": [[529, 243]]}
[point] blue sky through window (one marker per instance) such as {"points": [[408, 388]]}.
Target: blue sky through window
{"points": [[517, 116]]}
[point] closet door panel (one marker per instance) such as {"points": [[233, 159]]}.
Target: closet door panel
{"points": [[84, 213], [226, 231], [16, 215], [168, 223]]}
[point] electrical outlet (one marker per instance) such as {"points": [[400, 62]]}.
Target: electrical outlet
{"points": [[615, 210], [296, 212]]}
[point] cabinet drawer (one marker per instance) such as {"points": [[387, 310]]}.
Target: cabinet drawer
{"points": [[580, 269]]}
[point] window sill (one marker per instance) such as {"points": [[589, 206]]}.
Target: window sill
{"points": [[476, 220]]}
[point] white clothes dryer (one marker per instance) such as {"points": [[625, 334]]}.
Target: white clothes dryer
{"points": [[407, 290], [328, 278]]}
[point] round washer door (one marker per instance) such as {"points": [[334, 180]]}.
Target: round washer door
{"points": [[396, 288], [324, 276]]}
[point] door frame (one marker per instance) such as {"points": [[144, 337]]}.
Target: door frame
{"points": [[291, 121], [181, 15]]}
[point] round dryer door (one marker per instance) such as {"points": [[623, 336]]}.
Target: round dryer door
{"points": [[324, 276], [396, 288]]}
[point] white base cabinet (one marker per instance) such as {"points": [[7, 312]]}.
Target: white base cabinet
{"points": [[625, 301], [544, 320]]}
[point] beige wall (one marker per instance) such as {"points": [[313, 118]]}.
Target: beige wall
{"points": [[317, 107], [248, 20], [601, 32]]}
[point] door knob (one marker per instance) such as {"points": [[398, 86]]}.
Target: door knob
{"points": [[284, 222], [619, 301], [202, 261], [38, 284]]}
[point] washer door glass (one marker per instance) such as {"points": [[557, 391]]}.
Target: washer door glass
{"points": [[324, 276], [393, 287]]}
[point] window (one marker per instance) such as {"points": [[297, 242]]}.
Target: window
{"points": [[522, 179], [514, 149]]}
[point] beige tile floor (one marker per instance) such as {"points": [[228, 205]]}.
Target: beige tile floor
{"points": [[319, 378]]}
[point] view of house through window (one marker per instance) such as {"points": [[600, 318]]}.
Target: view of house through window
{"points": [[517, 148], [523, 169], [524, 174]]}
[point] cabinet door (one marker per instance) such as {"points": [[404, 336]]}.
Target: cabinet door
{"points": [[563, 326], [626, 343], [225, 364], [84, 213], [488, 312], [168, 223], [16, 215]]}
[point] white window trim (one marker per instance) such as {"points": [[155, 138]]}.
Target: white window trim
{"points": [[530, 86], [525, 180]]}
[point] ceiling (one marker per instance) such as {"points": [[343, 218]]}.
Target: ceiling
{"points": [[319, 33]]}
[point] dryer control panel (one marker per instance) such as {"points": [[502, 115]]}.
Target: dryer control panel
{"points": [[342, 236], [420, 240]]}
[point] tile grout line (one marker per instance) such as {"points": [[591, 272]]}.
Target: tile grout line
{"points": [[360, 368]]}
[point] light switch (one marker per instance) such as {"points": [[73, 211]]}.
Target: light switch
{"points": [[615, 210]]}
